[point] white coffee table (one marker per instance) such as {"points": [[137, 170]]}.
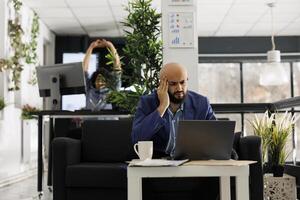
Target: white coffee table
{"points": [[212, 168]]}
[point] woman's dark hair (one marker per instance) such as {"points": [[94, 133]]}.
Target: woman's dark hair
{"points": [[102, 71], [94, 77]]}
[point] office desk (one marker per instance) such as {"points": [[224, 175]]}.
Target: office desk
{"points": [[224, 169], [62, 114]]}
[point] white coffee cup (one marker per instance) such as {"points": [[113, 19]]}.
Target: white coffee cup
{"points": [[145, 149]]}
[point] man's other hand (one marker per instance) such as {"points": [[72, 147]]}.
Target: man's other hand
{"points": [[163, 96]]}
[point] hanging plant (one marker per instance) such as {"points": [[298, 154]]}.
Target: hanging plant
{"points": [[20, 50], [31, 55], [31, 50], [15, 33]]}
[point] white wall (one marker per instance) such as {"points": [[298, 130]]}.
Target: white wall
{"points": [[186, 56], [12, 163]]}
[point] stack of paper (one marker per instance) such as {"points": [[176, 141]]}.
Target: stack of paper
{"points": [[156, 162]]}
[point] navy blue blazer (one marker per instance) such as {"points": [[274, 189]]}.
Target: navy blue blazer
{"points": [[148, 125]]}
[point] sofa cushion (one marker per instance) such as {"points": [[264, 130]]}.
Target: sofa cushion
{"points": [[236, 141], [107, 141], [104, 175]]}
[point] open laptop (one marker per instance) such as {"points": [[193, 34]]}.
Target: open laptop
{"points": [[204, 140]]}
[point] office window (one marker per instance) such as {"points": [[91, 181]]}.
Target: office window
{"points": [[296, 78], [248, 118], [297, 139], [78, 57], [220, 82], [232, 117], [257, 92]]}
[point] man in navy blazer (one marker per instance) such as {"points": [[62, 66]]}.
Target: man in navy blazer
{"points": [[157, 114]]}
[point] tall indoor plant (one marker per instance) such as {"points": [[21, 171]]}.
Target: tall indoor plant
{"points": [[274, 130], [143, 51]]}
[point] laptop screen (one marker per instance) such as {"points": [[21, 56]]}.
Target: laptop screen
{"points": [[204, 139]]}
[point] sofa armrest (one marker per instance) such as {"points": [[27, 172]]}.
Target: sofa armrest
{"points": [[250, 149], [66, 151]]}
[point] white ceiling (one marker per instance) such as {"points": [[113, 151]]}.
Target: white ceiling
{"points": [[215, 17]]}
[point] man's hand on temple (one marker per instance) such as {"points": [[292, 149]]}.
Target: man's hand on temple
{"points": [[163, 96]]}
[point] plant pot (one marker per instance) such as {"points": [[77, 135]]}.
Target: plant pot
{"points": [[267, 168], [277, 170]]}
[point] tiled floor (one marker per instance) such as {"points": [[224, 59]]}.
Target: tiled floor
{"points": [[24, 190]]}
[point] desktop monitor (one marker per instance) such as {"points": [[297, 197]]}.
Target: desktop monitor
{"points": [[60, 79]]}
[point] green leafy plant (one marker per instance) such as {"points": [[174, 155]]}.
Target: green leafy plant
{"points": [[2, 104], [126, 100], [31, 49], [143, 50], [112, 79], [20, 50], [274, 131], [263, 128], [27, 111], [112, 58]]}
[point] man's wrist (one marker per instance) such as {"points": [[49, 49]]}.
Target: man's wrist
{"points": [[161, 110]]}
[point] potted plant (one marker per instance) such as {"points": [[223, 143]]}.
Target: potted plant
{"points": [[27, 111], [143, 51], [30, 133], [274, 130]]}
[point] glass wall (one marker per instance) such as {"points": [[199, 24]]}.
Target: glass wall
{"points": [[222, 83], [296, 85], [214, 78], [256, 87]]}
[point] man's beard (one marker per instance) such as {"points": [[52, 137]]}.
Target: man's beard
{"points": [[175, 100]]}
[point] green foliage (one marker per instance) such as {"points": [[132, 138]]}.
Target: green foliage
{"points": [[17, 5], [274, 131], [2, 104], [20, 50], [27, 112], [143, 45], [143, 50], [112, 58], [263, 128], [277, 144], [31, 49], [126, 100]]}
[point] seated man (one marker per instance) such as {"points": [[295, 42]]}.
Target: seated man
{"points": [[158, 114]]}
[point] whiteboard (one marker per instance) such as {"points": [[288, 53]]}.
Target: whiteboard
{"points": [[180, 2], [181, 29]]}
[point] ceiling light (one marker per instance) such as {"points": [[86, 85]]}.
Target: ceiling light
{"points": [[273, 72]]}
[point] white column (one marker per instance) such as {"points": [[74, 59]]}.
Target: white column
{"points": [[180, 39]]}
